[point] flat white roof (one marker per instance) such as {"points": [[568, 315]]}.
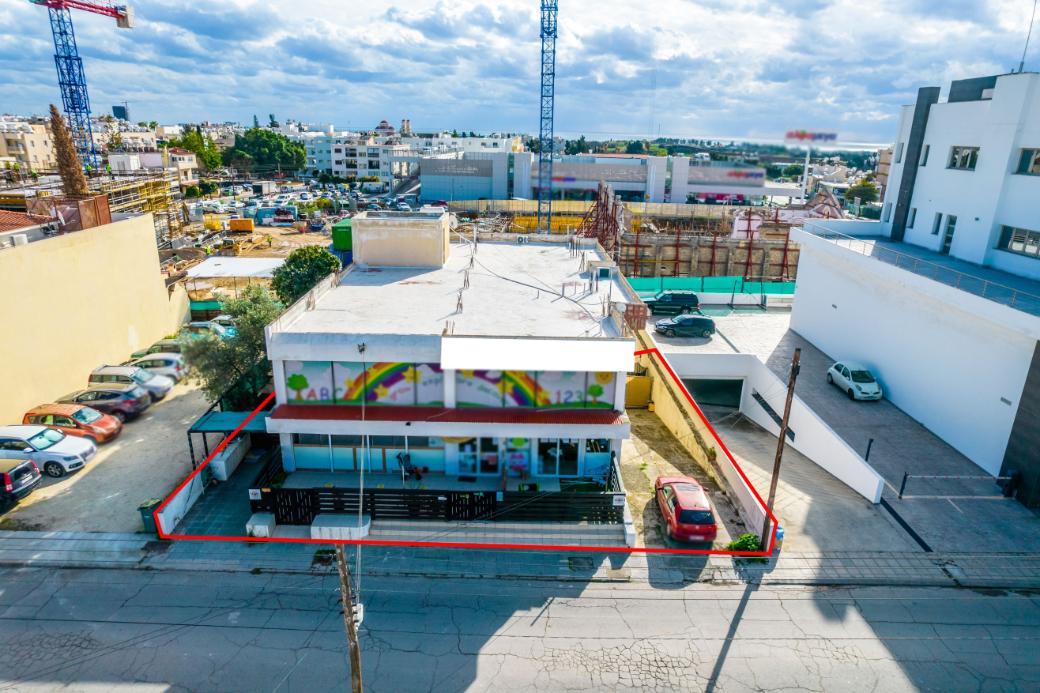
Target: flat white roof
{"points": [[500, 290], [220, 266]]}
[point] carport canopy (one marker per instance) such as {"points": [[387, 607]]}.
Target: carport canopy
{"points": [[227, 421]]}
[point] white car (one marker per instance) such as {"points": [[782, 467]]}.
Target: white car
{"points": [[855, 380], [54, 452], [163, 363]]}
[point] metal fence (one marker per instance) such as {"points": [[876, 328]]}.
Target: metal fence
{"points": [[984, 288]]}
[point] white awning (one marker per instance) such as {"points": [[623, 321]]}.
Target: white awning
{"points": [[491, 353]]}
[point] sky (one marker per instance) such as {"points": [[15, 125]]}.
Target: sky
{"points": [[714, 68]]}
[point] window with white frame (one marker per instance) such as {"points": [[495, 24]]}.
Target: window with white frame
{"points": [[924, 154], [899, 153], [1020, 241], [912, 219], [964, 158], [886, 213], [1029, 162]]}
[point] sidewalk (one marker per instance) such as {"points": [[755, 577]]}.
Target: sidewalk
{"points": [[139, 551]]}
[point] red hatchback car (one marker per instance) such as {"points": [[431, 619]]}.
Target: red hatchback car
{"points": [[686, 508], [75, 420]]}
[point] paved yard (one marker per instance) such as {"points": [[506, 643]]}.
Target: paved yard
{"points": [[900, 444], [146, 461], [653, 451]]}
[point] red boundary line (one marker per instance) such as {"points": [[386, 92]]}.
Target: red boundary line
{"points": [[477, 545]]}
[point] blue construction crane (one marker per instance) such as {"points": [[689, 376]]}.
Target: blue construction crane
{"points": [[71, 78], [545, 130]]}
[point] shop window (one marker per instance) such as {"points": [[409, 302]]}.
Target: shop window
{"points": [[597, 445], [310, 439]]}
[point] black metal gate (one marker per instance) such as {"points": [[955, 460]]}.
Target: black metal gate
{"points": [[294, 506]]}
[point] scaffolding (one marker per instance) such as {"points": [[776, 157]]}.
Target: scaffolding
{"points": [[152, 193]]}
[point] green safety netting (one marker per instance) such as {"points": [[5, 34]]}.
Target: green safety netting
{"points": [[721, 285]]}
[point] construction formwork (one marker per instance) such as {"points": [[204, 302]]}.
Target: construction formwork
{"points": [[153, 193], [679, 254]]}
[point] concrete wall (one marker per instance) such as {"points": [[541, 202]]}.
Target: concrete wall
{"points": [[954, 361], [813, 438], [74, 302], [402, 239], [181, 503], [686, 423]]}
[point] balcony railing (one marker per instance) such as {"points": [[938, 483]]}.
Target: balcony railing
{"points": [[984, 288]]}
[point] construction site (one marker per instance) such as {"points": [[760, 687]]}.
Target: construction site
{"points": [[662, 240]]}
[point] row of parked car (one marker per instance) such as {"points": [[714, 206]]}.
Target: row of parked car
{"points": [[61, 437]]}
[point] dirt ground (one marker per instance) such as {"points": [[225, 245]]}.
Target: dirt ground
{"points": [[146, 461], [653, 451], [284, 240]]}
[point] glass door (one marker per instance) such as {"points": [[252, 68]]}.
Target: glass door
{"points": [[468, 457], [568, 457], [488, 456], [548, 457]]}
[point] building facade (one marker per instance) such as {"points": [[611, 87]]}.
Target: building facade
{"points": [[941, 297], [965, 175], [513, 385], [27, 142]]}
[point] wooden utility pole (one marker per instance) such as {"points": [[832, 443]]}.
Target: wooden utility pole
{"points": [[349, 624], [780, 443]]}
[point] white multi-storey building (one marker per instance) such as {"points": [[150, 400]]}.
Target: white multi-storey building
{"points": [[941, 297], [351, 154]]}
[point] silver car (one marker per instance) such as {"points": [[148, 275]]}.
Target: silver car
{"points": [[54, 452], [163, 363], [158, 386]]}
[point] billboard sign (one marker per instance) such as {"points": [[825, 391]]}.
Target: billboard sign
{"points": [[810, 137]]}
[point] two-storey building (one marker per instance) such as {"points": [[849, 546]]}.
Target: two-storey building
{"points": [[492, 365]]}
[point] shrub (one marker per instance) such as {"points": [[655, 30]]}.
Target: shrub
{"points": [[745, 542]]}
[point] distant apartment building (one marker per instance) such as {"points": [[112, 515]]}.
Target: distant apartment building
{"points": [[186, 165], [355, 155], [942, 296], [884, 166], [27, 142], [504, 175]]}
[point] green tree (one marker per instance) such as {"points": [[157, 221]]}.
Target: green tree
{"points": [[256, 121], [793, 170], [635, 147], [207, 187], [866, 191], [192, 191], [266, 150], [301, 271], [115, 142], [578, 146], [217, 363], [205, 149]]}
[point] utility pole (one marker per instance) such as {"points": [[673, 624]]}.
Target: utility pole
{"points": [[349, 622], [780, 444]]}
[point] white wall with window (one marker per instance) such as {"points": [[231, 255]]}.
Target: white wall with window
{"points": [[979, 164]]}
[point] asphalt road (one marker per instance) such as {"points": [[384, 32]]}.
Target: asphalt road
{"points": [[210, 631]]}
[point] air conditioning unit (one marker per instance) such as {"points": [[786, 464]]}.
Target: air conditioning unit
{"points": [[522, 240]]}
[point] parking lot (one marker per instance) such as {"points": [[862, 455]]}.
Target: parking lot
{"points": [[146, 461]]}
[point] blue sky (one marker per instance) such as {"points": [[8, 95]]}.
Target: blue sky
{"points": [[741, 68]]}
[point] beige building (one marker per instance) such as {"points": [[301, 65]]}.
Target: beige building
{"points": [[883, 165], [54, 356], [186, 165], [27, 142], [401, 239]]}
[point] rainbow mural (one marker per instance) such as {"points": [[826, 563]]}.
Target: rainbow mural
{"points": [[520, 389]]}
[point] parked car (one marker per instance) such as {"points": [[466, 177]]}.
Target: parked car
{"points": [[18, 478], [673, 302], [124, 402], [686, 326], [686, 508], [164, 346], [75, 420], [225, 320], [402, 207], [170, 365], [158, 386], [53, 451], [204, 327], [854, 380]]}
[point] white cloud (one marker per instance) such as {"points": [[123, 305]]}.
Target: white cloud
{"points": [[713, 67]]}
